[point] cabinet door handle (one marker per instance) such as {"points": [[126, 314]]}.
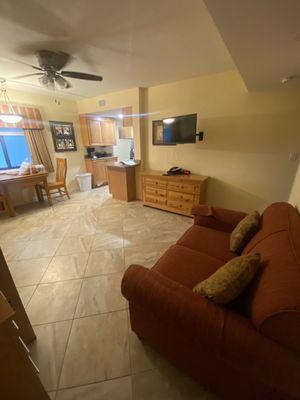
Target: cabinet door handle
{"points": [[15, 324], [34, 365], [24, 345]]}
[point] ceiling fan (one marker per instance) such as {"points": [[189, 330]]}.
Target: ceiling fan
{"points": [[50, 65]]}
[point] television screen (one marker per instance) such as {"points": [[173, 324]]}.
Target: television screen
{"points": [[170, 131], [180, 129]]}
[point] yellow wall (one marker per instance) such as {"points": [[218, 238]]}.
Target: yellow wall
{"points": [[65, 111], [248, 137], [295, 192]]}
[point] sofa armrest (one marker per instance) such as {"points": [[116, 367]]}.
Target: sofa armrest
{"points": [[225, 332], [217, 218]]}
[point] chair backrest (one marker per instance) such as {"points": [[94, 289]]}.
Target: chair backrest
{"points": [[273, 302], [61, 169]]}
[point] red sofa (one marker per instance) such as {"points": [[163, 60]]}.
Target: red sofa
{"points": [[247, 350]]}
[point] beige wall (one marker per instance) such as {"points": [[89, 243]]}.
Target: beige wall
{"points": [[248, 137], [51, 110], [295, 192]]}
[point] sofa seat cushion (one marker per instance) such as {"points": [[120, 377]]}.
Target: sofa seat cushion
{"points": [[186, 266], [209, 241]]}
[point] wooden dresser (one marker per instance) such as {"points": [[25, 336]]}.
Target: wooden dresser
{"points": [[19, 374], [177, 193]]}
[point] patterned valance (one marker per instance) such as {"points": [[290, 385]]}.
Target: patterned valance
{"points": [[31, 117]]}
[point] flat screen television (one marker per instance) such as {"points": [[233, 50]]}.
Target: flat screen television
{"points": [[180, 129]]}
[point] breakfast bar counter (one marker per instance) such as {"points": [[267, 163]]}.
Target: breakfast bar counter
{"points": [[121, 181]]}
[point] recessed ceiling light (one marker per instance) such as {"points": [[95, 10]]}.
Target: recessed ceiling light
{"points": [[286, 79]]}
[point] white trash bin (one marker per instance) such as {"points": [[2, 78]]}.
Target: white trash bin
{"points": [[84, 181]]}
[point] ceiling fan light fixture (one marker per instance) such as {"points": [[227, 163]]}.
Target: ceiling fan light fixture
{"points": [[9, 117]]}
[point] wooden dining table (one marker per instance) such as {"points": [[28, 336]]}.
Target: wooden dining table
{"points": [[30, 180]]}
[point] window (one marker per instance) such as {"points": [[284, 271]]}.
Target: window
{"points": [[13, 149]]}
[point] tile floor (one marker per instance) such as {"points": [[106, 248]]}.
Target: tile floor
{"points": [[67, 262]]}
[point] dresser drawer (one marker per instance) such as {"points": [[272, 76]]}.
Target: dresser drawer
{"points": [[184, 187], [159, 183], [155, 199], [190, 198], [186, 207], [155, 191]]}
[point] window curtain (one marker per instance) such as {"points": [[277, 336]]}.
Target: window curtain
{"points": [[38, 148]]}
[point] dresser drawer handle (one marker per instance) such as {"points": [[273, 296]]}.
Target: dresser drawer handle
{"points": [[24, 345], [34, 365], [15, 324]]}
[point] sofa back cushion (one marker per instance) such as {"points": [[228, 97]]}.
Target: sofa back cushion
{"points": [[273, 301]]}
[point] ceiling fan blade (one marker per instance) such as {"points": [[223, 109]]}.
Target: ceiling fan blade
{"points": [[27, 75], [20, 62], [62, 82], [54, 60], [81, 75]]}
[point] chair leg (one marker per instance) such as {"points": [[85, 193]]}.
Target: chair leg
{"points": [[66, 190], [39, 193], [48, 194], [60, 192]]}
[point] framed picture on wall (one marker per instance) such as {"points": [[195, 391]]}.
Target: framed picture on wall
{"points": [[63, 136]]}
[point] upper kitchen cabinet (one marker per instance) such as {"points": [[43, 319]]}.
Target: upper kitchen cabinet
{"points": [[126, 130], [127, 116], [97, 132]]}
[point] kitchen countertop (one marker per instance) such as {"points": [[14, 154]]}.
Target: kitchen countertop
{"points": [[117, 165], [99, 158]]}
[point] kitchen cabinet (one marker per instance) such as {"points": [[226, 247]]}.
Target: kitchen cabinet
{"points": [[97, 132], [127, 117], [126, 133], [98, 169]]}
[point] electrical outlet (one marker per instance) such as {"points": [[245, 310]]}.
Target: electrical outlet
{"points": [[293, 156]]}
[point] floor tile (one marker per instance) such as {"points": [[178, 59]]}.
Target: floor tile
{"points": [[12, 250], [25, 293], [105, 262], [108, 237], [48, 351], [114, 389], [51, 231], [39, 249], [97, 350], [143, 357], [54, 302], [71, 245], [84, 227], [62, 268], [167, 383], [28, 272], [100, 294], [146, 254]]}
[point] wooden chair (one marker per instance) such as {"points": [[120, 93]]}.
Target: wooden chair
{"points": [[4, 203], [59, 186]]}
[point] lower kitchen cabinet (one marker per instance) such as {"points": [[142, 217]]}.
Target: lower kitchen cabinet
{"points": [[98, 169]]}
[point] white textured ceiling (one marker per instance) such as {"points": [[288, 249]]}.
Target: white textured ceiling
{"points": [[130, 42]]}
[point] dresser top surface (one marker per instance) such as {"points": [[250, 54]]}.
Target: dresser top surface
{"points": [[186, 178]]}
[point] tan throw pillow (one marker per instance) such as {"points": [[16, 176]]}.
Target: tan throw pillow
{"points": [[244, 231], [230, 280]]}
